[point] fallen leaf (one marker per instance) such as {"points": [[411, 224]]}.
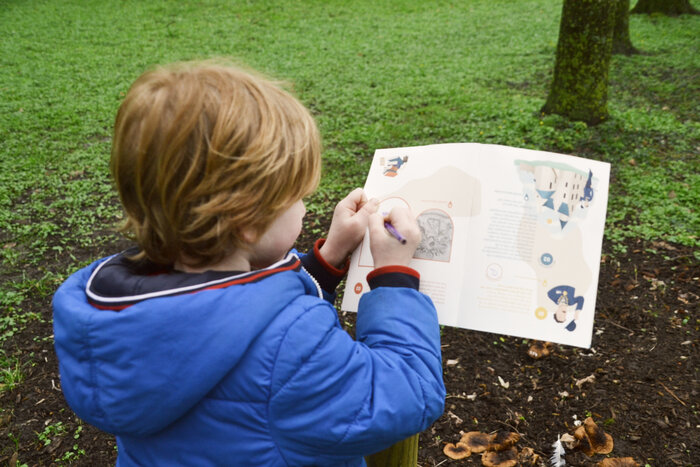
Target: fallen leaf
{"points": [[568, 441], [587, 379], [528, 457], [618, 462], [662, 244], [458, 421], [539, 349]]}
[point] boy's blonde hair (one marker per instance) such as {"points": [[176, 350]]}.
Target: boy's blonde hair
{"points": [[204, 149]]}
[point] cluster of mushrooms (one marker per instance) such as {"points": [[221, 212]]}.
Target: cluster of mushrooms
{"points": [[497, 450], [591, 439]]}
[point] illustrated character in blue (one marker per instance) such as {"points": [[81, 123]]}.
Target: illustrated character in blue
{"points": [[565, 296], [395, 165], [587, 190]]}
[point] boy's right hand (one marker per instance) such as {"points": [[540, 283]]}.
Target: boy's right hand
{"points": [[386, 249]]}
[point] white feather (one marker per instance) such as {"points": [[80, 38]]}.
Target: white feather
{"points": [[557, 459]]}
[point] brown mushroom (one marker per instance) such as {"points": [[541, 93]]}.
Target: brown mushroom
{"points": [[456, 451], [503, 440], [618, 462], [477, 441], [539, 349], [506, 458], [583, 444], [528, 457], [601, 442], [592, 439]]}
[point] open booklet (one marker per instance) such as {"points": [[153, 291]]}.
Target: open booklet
{"points": [[511, 238]]}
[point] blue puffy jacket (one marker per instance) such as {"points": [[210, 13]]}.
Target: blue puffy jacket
{"points": [[249, 369]]}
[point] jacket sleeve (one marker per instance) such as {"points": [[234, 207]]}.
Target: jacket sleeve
{"points": [[334, 399]]}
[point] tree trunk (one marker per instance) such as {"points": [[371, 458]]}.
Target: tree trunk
{"points": [[668, 7], [580, 87], [402, 454], [622, 44]]}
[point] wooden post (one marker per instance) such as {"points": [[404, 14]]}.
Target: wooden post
{"points": [[402, 454]]}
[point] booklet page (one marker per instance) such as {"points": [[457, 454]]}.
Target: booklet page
{"points": [[511, 238]]}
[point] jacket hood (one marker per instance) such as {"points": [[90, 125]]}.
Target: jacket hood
{"points": [[131, 342]]}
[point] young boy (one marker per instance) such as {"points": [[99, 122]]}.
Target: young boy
{"points": [[211, 342]]}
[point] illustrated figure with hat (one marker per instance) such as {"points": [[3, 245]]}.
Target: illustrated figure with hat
{"points": [[394, 166], [565, 296]]}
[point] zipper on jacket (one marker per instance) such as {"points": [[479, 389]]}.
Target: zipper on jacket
{"points": [[319, 290]]}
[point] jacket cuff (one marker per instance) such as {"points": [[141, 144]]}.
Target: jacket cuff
{"points": [[327, 275], [394, 276]]}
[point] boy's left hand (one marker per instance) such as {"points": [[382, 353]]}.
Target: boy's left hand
{"points": [[348, 227]]}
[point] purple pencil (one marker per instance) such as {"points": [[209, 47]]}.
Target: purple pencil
{"points": [[395, 233]]}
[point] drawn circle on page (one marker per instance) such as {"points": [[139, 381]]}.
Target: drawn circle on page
{"points": [[494, 271], [358, 288], [541, 313], [387, 204], [546, 259]]}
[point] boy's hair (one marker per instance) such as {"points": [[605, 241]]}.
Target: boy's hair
{"points": [[203, 149]]}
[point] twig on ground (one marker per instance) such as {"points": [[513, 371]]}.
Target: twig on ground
{"points": [[510, 426], [671, 392], [618, 325]]}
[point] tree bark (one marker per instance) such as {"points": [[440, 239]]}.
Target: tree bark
{"points": [[402, 454], [622, 44], [667, 7], [580, 87]]}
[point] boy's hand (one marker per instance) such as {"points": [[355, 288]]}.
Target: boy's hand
{"points": [[386, 249], [348, 226]]}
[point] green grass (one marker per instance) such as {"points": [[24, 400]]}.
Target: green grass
{"points": [[374, 73]]}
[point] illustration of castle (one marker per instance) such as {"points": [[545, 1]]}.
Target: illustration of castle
{"points": [[561, 190]]}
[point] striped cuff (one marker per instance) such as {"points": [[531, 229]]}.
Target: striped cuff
{"points": [[394, 276], [327, 275]]}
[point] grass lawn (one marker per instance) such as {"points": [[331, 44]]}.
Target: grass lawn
{"points": [[374, 73]]}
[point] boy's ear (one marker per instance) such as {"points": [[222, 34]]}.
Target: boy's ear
{"points": [[249, 235]]}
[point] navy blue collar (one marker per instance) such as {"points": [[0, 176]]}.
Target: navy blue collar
{"points": [[119, 282]]}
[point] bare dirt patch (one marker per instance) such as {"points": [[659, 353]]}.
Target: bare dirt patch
{"points": [[639, 381]]}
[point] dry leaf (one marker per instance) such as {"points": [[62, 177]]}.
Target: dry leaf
{"points": [[568, 441], [618, 462], [458, 421], [539, 349], [528, 457], [587, 379]]}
